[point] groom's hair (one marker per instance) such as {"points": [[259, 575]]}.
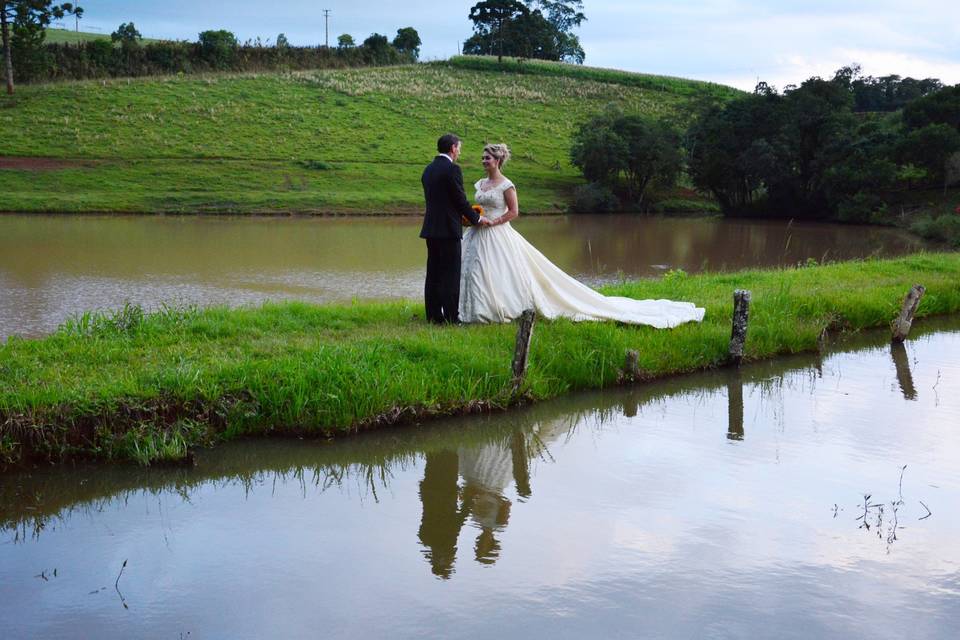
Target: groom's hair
{"points": [[447, 142]]}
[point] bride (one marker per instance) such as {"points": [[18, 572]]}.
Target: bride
{"points": [[502, 274]]}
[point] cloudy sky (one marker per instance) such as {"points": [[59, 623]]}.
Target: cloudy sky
{"points": [[734, 42]]}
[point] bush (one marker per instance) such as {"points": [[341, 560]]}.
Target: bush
{"points": [[100, 54], [943, 228], [862, 207], [594, 198]]}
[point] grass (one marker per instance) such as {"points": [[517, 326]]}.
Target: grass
{"points": [[70, 36], [666, 84], [332, 141], [178, 378]]}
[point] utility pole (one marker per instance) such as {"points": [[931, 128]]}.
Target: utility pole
{"points": [[326, 27]]}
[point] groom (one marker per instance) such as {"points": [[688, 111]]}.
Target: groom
{"points": [[446, 203]]}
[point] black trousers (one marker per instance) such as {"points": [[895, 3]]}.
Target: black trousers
{"points": [[441, 291]]}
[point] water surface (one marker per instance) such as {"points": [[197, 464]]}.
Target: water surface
{"points": [[54, 266], [728, 504]]}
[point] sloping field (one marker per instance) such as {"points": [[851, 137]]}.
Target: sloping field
{"points": [[309, 142]]}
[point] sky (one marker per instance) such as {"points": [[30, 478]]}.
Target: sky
{"points": [[734, 42]]}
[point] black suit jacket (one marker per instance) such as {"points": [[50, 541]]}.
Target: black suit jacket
{"points": [[446, 201]]}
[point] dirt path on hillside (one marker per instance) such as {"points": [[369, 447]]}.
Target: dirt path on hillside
{"points": [[39, 164]]}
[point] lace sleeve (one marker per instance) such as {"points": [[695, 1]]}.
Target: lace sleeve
{"points": [[506, 184]]}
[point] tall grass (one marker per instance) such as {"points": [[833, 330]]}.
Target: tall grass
{"points": [[303, 369], [671, 84]]}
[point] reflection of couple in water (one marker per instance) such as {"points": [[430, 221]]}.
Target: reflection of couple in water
{"points": [[487, 471]]}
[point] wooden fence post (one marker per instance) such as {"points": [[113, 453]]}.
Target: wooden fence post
{"points": [[522, 350], [741, 316], [901, 326]]}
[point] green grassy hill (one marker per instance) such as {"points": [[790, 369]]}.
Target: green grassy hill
{"points": [[309, 142], [68, 36]]}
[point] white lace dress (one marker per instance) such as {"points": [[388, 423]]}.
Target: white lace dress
{"points": [[502, 275]]}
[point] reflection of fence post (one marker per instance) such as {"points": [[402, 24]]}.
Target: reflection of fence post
{"points": [[522, 350], [901, 326], [901, 363], [741, 316], [734, 405]]}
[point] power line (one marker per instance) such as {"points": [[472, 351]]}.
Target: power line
{"points": [[326, 28]]}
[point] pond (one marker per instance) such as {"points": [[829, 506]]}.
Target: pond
{"points": [[812, 496], [54, 266]]}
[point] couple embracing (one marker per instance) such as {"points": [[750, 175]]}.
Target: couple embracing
{"points": [[490, 273]]}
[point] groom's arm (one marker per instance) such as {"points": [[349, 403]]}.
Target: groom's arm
{"points": [[459, 197]]}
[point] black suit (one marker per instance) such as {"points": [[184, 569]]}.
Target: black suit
{"points": [[446, 203]]}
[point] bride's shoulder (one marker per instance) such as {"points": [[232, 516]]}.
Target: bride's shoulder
{"points": [[476, 185], [507, 184]]}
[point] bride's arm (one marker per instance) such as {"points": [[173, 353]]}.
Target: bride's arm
{"points": [[513, 206]]}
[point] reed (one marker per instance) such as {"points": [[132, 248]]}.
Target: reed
{"points": [[181, 377]]}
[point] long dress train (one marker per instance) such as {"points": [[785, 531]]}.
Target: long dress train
{"points": [[502, 274]]}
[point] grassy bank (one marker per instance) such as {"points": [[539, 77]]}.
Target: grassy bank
{"points": [[149, 386], [333, 141]]}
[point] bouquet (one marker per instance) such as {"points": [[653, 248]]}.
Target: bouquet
{"points": [[465, 221]]}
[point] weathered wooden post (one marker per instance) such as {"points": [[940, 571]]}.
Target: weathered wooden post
{"points": [[901, 326], [741, 316], [522, 350], [631, 367]]}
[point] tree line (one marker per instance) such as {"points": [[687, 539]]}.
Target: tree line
{"points": [[805, 152], [28, 58]]}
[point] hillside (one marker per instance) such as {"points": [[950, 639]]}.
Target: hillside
{"points": [[69, 36], [309, 142]]}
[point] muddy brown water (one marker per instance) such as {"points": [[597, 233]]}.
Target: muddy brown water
{"points": [[728, 504], [52, 267]]}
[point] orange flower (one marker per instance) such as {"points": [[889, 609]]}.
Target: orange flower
{"points": [[466, 221]]}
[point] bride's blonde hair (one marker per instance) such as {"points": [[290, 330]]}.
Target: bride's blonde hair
{"points": [[499, 151]]}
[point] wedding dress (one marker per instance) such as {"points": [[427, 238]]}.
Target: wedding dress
{"points": [[502, 274]]}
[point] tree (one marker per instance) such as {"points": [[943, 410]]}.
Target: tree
{"points": [[942, 107], [930, 148], [126, 32], [733, 149], [377, 50], [563, 16], [282, 43], [345, 41], [626, 152], [217, 47], [31, 17], [408, 43], [492, 20], [532, 36]]}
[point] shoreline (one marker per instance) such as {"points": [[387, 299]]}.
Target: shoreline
{"points": [[152, 386]]}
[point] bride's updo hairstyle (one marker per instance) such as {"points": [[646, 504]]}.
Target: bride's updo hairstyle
{"points": [[499, 151]]}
